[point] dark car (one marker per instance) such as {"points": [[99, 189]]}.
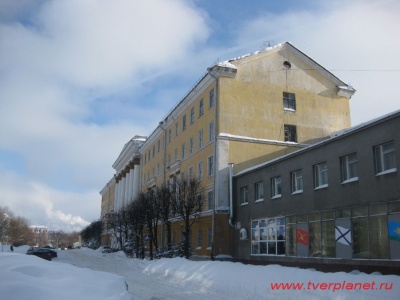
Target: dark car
{"points": [[42, 253], [52, 252]]}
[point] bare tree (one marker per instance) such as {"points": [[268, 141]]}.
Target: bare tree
{"points": [[5, 218], [19, 232], [187, 204], [92, 233], [136, 224], [164, 201], [116, 222]]}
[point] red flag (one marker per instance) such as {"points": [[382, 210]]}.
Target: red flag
{"points": [[302, 237]]}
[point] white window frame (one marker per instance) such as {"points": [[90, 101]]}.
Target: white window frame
{"points": [[259, 191], [212, 97], [191, 142], [190, 172], [210, 200], [192, 115], [276, 187], [201, 107], [200, 138], [289, 101], [183, 150], [296, 178], [211, 131], [385, 159], [290, 132], [349, 164], [244, 195], [200, 171], [210, 162], [321, 175]]}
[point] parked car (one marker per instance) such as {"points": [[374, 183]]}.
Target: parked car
{"points": [[106, 250], [51, 251], [42, 253]]}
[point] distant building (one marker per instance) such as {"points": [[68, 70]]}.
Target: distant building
{"points": [[334, 205], [107, 207], [41, 234]]}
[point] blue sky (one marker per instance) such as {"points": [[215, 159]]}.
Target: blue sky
{"points": [[78, 79]]}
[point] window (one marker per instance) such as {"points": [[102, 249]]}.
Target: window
{"points": [[209, 238], [169, 136], [154, 150], [158, 146], [191, 145], [176, 154], [385, 160], [211, 165], [244, 195], [200, 138], [176, 129], [145, 158], [200, 170], [296, 181], [158, 169], [184, 123], [192, 115], [276, 187], [210, 200], [289, 101], [183, 150], [149, 155], [268, 236], [199, 238], [259, 191], [169, 159], [190, 173], [290, 133], [212, 98], [211, 131], [321, 175], [201, 107], [348, 165]]}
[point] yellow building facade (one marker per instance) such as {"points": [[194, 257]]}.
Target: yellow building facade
{"points": [[242, 112], [107, 207]]}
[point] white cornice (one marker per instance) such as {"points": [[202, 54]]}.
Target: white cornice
{"points": [[128, 153]]}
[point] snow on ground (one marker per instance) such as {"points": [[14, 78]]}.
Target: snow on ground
{"points": [[89, 274]]}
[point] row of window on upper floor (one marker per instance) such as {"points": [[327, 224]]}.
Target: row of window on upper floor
{"points": [[384, 160], [191, 145], [151, 153], [200, 170], [290, 131]]}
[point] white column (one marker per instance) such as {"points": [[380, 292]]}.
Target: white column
{"points": [[136, 180], [127, 176], [123, 192], [120, 186], [131, 184], [116, 197]]}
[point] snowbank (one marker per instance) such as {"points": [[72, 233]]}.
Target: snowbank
{"points": [[267, 282], [29, 277]]}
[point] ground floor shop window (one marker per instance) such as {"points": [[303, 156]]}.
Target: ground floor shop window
{"points": [[268, 236], [360, 237], [378, 236]]}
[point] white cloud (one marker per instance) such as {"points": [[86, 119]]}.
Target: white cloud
{"points": [[54, 66], [43, 205]]}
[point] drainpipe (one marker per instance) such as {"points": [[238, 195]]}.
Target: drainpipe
{"points": [[231, 195]]}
